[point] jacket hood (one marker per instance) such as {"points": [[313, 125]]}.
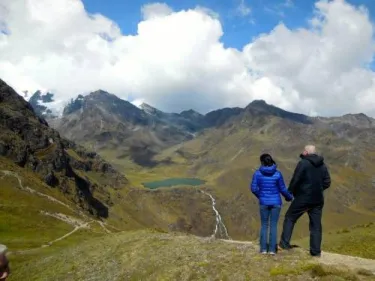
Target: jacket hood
{"points": [[268, 170], [315, 160]]}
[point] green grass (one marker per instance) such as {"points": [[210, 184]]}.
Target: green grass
{"points": [[318, 271], [22, 225], [357, 241], [74, 155], [150, 255], [291, 270], [43, 153]]}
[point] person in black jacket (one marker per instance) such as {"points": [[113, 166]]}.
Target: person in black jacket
{"points": [[310, 179], [4, 263]]}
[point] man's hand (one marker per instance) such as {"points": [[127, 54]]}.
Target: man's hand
{"points": [[4, 275]]}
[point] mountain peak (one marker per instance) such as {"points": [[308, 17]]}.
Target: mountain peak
{"points": [[357, 115], [100, 93], [262, 107], [151, 110], [191, 113], [146, 106], [259, 102]]}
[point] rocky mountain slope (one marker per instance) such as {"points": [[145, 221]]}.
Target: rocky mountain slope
{"points": [[102, 122], [28, 141]]}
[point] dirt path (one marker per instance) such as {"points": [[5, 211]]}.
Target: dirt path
{"points": [[85, 225], [33, 191], [237, 154], [103, 225], [347, 261], [327, 258]]}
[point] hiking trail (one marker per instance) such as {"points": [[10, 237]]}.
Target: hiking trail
{"points": [[75, 222], [327, 258]]}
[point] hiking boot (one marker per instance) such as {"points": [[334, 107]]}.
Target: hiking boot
{"points": [[280, 248]]}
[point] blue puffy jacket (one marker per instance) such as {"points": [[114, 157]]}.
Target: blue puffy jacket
{"points": [[267, 184]]}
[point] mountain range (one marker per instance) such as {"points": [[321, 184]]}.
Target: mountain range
{"points": [[102, 121], [223, 146], [84, 165]]}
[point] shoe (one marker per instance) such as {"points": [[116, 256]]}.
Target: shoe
{"points": [[263, 253], [272, 253], [280, 248], [317, 256]]}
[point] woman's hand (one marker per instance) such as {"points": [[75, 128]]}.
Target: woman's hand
{"points": [[289, 199]]}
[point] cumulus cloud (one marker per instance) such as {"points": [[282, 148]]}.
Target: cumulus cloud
{"points": [[177, 61], [154, 10]]}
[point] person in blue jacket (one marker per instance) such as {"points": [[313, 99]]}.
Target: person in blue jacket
{"points": [[266, 185]]}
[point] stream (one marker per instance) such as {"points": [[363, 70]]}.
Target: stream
{"points": [[220, 230]]}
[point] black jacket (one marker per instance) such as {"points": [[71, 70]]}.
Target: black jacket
{"points": [[310, 179]]}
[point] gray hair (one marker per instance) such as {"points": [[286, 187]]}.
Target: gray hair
{"points": [[3, 249], [310, 149]]}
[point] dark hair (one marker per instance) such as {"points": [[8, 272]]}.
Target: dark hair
{"points": [[266, 160]]}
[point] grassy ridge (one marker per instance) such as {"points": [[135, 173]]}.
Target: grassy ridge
{"points": [[357, 240], [145, 255]]}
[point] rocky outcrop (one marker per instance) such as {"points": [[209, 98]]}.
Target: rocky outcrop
{"points": [[28, 141]]}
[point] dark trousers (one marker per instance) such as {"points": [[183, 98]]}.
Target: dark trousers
{"points": [[295, 211]]}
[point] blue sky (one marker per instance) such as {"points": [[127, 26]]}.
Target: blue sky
{"points": [[177, 62], [238, 28]]}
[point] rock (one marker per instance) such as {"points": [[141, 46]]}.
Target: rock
{"points": [[33, 162], [21, 158], [4, 149], [51, 179]]}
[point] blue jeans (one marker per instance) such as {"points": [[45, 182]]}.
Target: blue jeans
{"points": [[269, 216]]}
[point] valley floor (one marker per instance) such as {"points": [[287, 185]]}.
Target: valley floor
{"points": [[151, 255]]}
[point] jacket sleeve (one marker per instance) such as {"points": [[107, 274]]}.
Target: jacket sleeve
{"points": [[282, 188], [296, 178], [326, 178], [254, 185]]}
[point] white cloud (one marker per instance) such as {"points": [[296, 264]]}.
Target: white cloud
{"points": [[288, 3], [176, 60], [208, 11], [325, 64], [243, 9], [155, 10]]}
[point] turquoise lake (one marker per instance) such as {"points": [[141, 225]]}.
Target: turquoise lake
{"points": [[173, 182]]}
